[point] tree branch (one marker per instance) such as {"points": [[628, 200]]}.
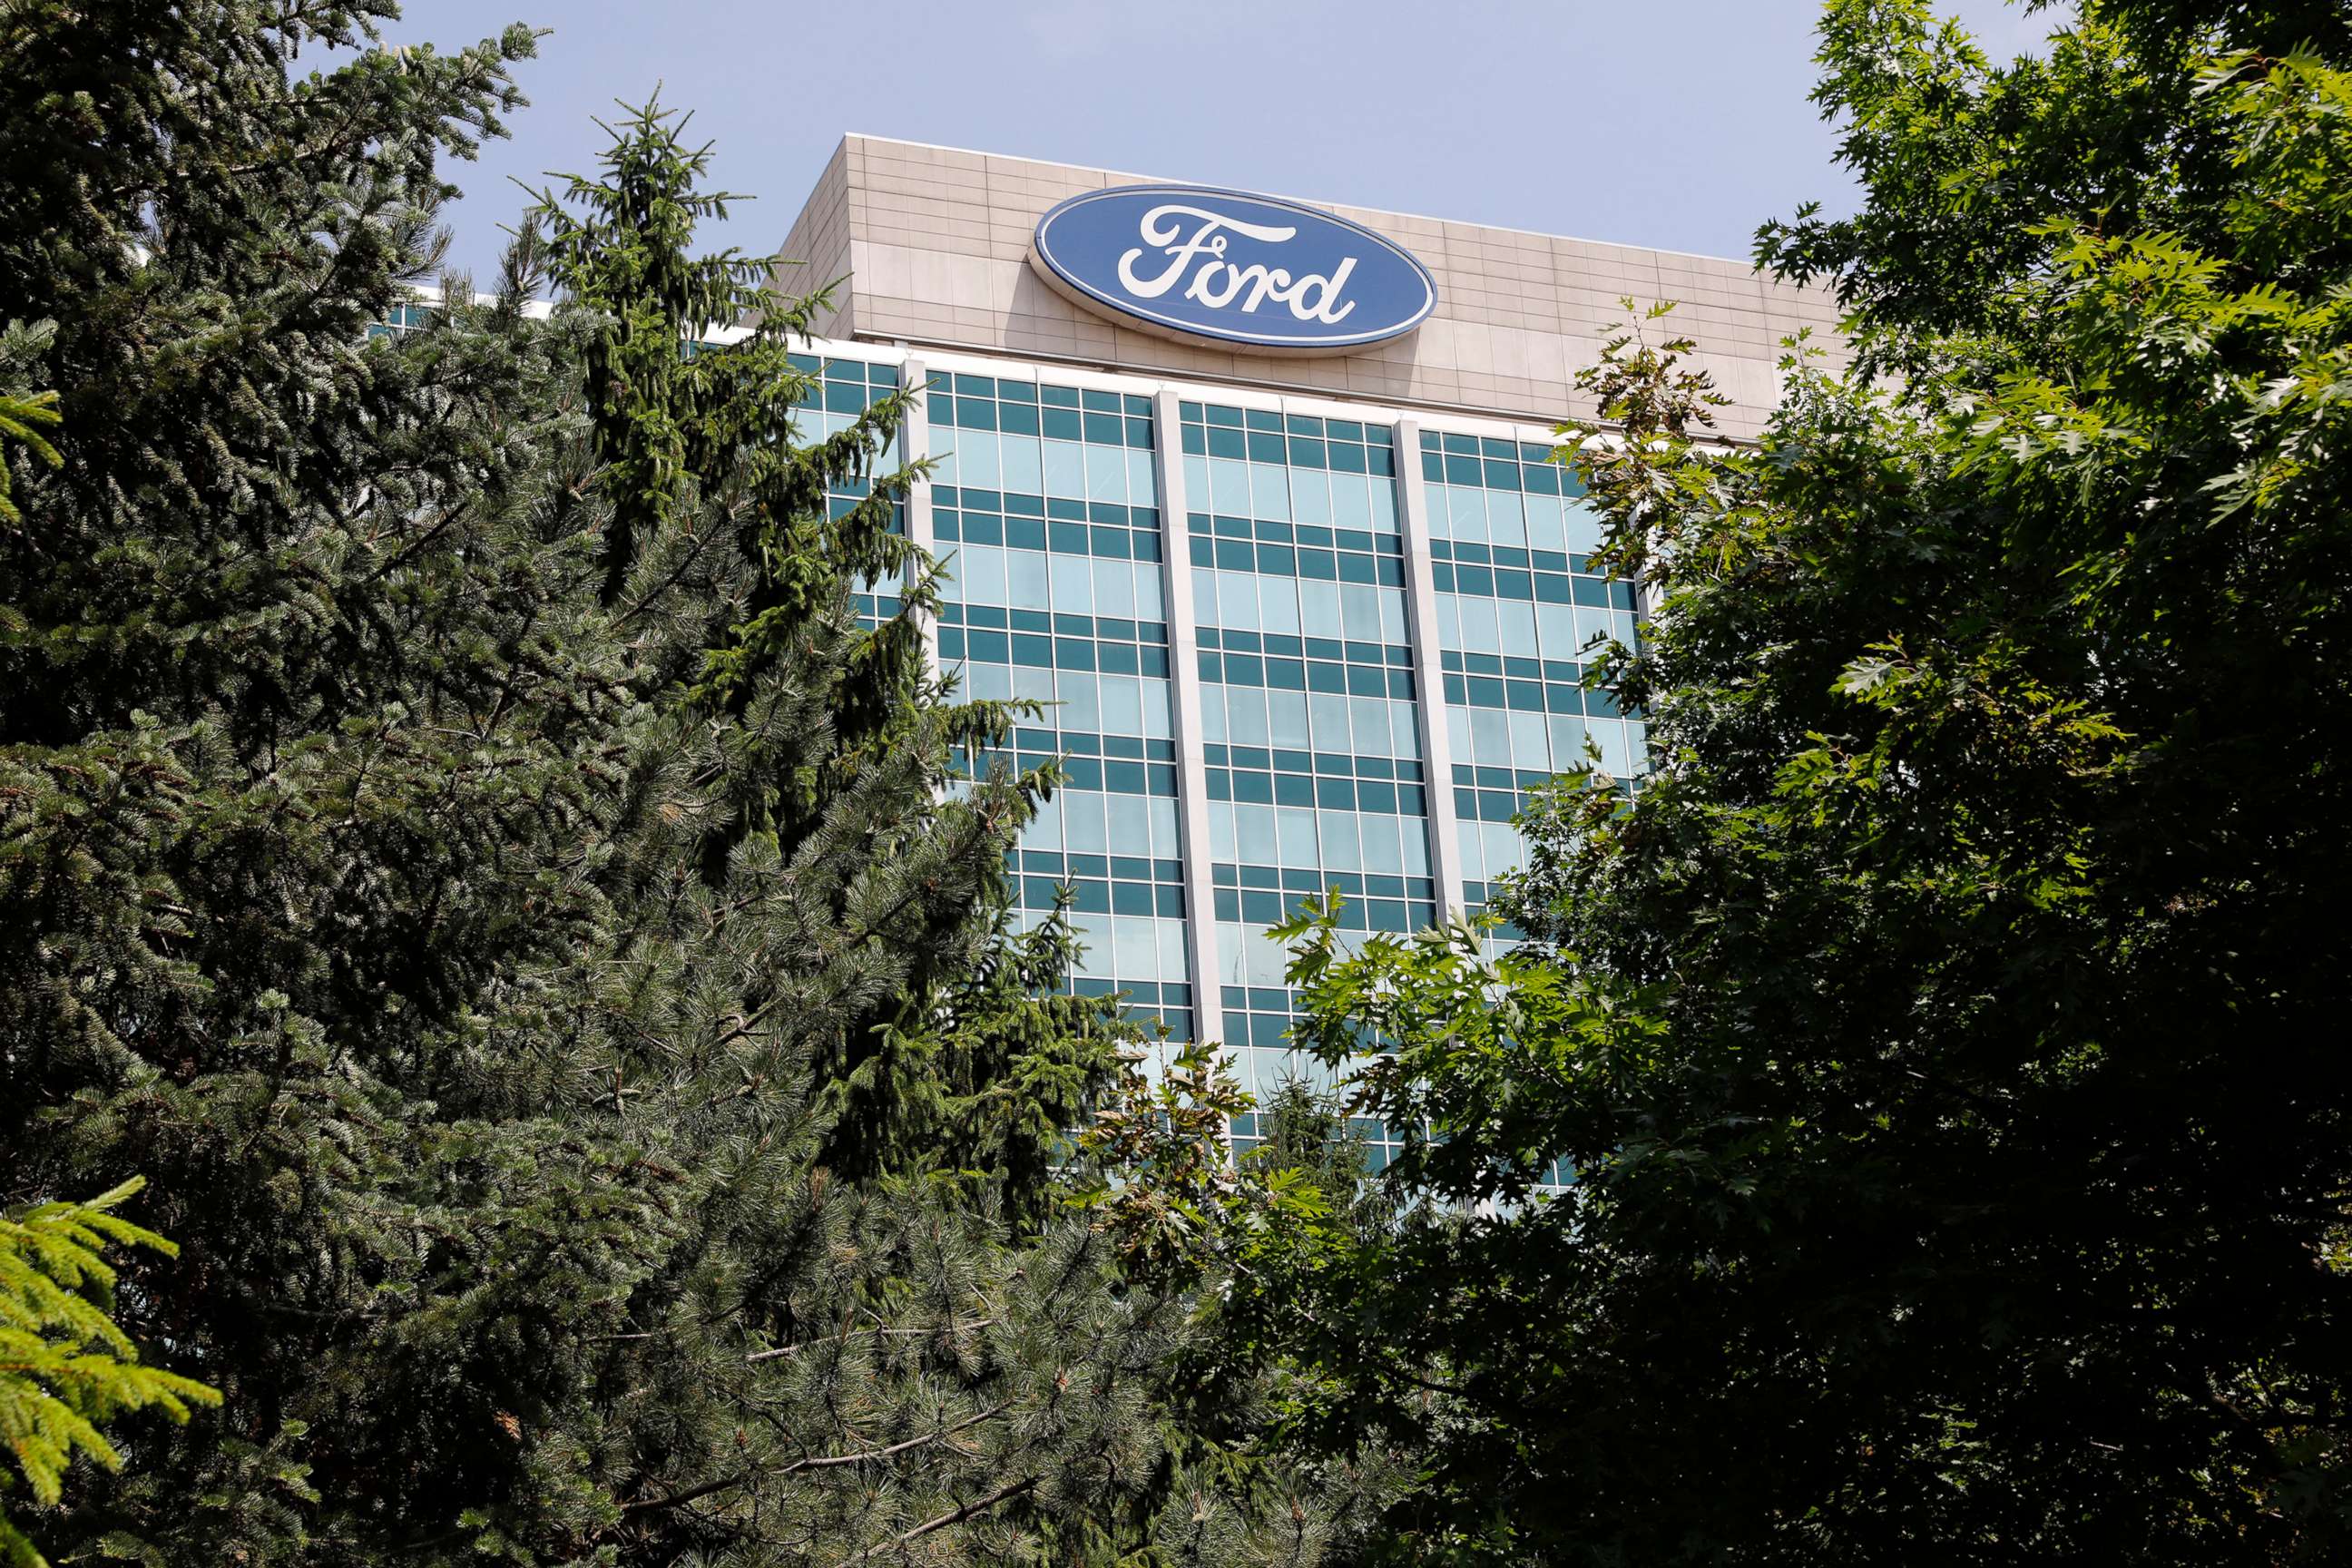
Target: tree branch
{"points": [[954, 1516], [825, 1462], [782, 1351]]}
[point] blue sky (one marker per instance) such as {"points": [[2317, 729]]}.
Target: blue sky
{"points": [[1676, 123]]}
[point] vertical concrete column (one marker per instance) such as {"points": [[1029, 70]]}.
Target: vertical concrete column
{"points": [[1191, 760], [1428, 669], [916, 433]]}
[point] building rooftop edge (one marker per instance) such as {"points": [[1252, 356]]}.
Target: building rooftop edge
{"points": [[1309, 201]]}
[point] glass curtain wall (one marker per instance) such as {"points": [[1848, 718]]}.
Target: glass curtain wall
{"points": [[829, 407], [1314, 771], [1045, 508], [1520, 606]]}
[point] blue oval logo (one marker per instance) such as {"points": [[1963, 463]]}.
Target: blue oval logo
{"points": [[1222, 267]]}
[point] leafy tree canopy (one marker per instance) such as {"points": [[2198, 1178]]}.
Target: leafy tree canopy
{"points": [[1947, 1036]]}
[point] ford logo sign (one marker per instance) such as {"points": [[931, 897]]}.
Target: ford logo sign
{"points": [[1217, 267]]}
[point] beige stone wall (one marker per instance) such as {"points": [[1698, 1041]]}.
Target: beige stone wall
{"points": [[936, 240], [820, 246]]}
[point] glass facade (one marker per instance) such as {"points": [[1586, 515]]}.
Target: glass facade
{"points": [[1044, 505], [1519, 607], [1300, 716], [1313, 770], [832, 403]]}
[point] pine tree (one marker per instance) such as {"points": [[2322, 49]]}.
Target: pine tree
{"points": [[881, 1326], [806, 762], [25, 413], [307, 724], [65, 1366], [457, 834]]}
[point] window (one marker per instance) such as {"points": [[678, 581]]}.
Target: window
{"points": [[1521, 610], [1045, 510], [1250, 463]]}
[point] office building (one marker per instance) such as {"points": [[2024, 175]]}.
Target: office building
{"points": [[1259, 494]]}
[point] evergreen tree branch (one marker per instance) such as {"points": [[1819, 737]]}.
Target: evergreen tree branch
{"points": [[780, 1351], [969, 1510]]}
